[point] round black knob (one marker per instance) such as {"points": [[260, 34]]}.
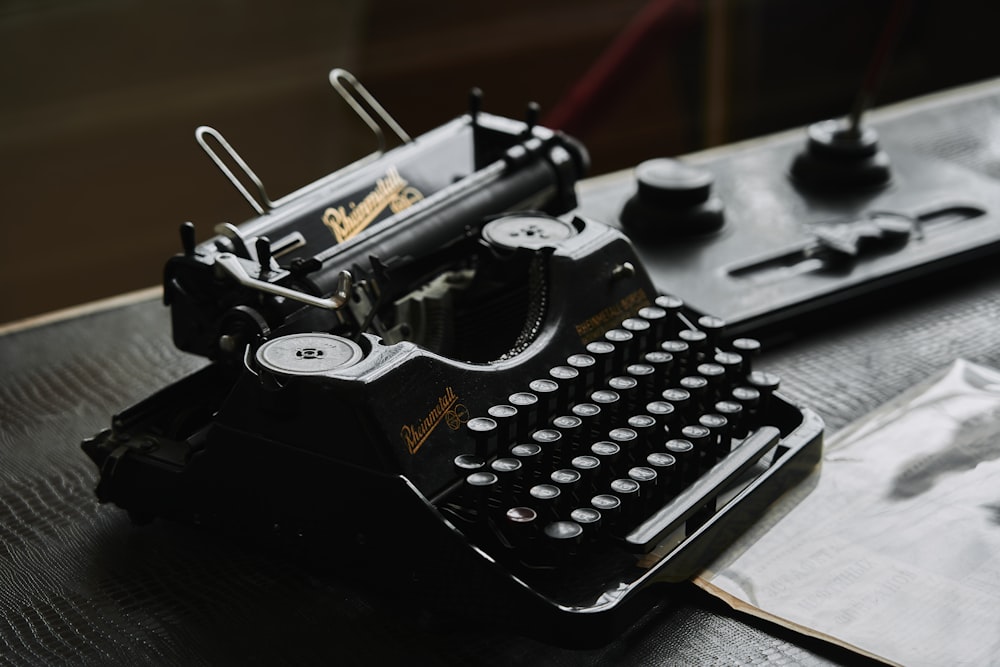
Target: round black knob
{"points": [[839, 157], [672, 200]]}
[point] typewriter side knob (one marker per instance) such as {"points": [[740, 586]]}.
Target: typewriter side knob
{"points": [[305, 354], [531, 232]]}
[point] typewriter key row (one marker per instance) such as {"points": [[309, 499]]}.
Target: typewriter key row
{"points": [[617, 441]]}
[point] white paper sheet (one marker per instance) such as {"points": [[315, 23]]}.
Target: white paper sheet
{"points": [[892, 547]]}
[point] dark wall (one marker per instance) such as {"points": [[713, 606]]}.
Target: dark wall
{"points": [[98, 165]]}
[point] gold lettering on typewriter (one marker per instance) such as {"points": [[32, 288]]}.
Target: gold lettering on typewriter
{"points": [[392, 192], [597, 325], [447, 409]]}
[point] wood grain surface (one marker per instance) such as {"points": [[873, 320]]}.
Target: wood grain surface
{"points": [[80, 585]]}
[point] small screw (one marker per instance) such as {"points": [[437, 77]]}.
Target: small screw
{"points": [[623, 270]]}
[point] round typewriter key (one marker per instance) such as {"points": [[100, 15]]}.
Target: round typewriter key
{"points": [[549, 439], [624, 342], [609, 402], [625, 487], [626, 439], [545, 390], [641, 331], [602, 352], [546, 436], [544, 492], [765, 383], [586, 365], [713, 328], [749, 398], [564, 373], [697, 387], [568, 379], [564, 538], [526, 403], [508, 470], [521, 524], [308, 354], [640, 371], [628, 490], [701, 438], [481, 479], [627, 389], [564, 530], [506, 417], [719, 427], [505, 465], [607, 453], [675, 347], [586, 410], [610, 507], [605, 502], [544, 497], [483, 430], [680, 399], [696, 339], [749, 348], [585, 516], [589, 519], [481, 485], [573, 432], [733, 412], [622, 383], [645, 375], [646, 477], [530, 456], [683, 452], [733, 363], [664, 414], [564, 423], [521, 515], [663, 464], [652, 313], [680, 351], [711, 371], [715, 374], [468, 463], [657, 318], [568, 481], [588, 466], [663, 364], [669, 303], [746, 396], [647, 430]]}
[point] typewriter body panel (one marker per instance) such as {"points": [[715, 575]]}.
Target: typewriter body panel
{"points": [[489, 400]]}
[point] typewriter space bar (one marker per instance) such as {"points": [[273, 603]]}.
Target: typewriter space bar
{"points": [[705, 489]]}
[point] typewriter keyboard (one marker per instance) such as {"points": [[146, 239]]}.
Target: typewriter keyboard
{"points": [[623, 444]]}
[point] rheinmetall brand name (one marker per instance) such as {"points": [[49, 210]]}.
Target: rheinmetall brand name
{"points": [[447, 408], [392, 192]]}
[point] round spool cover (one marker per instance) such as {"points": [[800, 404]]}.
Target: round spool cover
{"points": [[527, 231], [308, 354]]}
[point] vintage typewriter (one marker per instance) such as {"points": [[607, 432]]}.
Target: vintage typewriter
{"points": [[427, 363]]}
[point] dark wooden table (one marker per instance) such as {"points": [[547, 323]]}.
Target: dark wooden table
{"points": [[80, 585]]}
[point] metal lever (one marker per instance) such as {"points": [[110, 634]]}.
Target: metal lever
{"points": [[264, 204], [354, 93], [345, 284]]}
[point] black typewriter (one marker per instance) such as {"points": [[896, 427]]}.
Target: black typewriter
{"points": [[426, 362]]}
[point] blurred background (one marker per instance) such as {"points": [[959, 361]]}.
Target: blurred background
{"points": [[100, 99]]}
